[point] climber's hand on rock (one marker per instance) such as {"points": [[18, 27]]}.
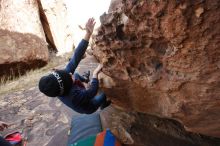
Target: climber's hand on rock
{"points": [[97, 71], [89, 27]]}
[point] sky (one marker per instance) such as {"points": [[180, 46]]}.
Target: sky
{"points": [[81, 10]]}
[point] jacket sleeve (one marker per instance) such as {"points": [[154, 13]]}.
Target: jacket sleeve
{"points": [[92, 90], [77, 56]]}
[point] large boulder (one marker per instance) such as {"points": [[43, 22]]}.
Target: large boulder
{"points": [[57, 23], [22, 43], [141, 129], [163, 58]]}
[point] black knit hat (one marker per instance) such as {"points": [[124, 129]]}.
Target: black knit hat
{"points": [[57, 83]]}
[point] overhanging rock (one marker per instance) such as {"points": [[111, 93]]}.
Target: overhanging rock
{"points": [[164, 59]]}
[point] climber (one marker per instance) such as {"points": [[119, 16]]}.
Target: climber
{"points": [[68, 86]]}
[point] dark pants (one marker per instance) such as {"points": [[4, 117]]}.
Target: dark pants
{"points": [[79, 77], [96, 101]]}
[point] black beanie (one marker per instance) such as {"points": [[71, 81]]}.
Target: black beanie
{"points": [[57, 83]]}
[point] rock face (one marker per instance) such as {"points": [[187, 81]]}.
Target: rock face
{"points": [[163, 58], [22, 42], [115, 5], [57, 23], [140, 129], [28, 28]]}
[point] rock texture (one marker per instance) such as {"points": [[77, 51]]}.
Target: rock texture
{"points": [[57, 23], [115, 5], [22, 42], [28, 29], [163, 58], [138, 129]]}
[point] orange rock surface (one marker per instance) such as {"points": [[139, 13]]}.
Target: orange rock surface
{"points": [[163, 58]]}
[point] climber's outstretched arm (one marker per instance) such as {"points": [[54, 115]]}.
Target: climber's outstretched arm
{"points": [[81, 48]]}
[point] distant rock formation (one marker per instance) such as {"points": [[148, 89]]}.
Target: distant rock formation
{"points": [[55, 18], [163, 58], [22, 41], [28, 28]]}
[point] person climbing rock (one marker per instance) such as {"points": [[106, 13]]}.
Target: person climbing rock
{"points": [[68, 85]]}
